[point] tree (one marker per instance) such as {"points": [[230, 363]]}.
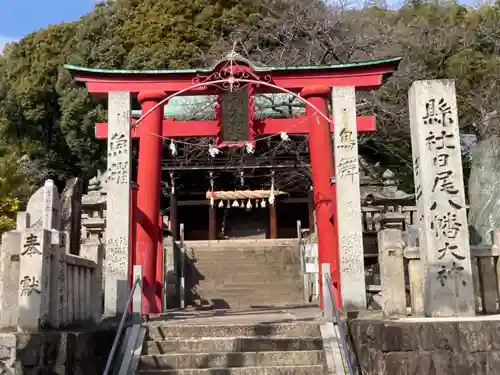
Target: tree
{"points": [[19, 177], [41, 105]]}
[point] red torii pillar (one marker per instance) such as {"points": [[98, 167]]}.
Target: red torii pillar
{"points": [[325, 195], [148, 197]]}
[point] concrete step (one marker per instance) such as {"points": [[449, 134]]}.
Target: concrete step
{"points": [[258, 255], [243, 277], [270, 370], [232, 344], [249, 264], [260, 286], [184, 331], [236, 272], [231, 359], [230, 254], [239, 245], [246, 298], [228, 303], [237, 290]]}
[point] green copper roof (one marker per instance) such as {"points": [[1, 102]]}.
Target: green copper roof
{"points": [[358, 64]]}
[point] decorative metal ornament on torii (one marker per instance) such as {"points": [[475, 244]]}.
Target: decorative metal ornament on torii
{"points": [[234, 80]]}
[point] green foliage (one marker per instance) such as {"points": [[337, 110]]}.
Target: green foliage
{"points": [[19, 176], [46, 116], [8, 210]]}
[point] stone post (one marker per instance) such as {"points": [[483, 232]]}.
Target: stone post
{"points": [[439, 190], [71, 207], [34, 280], [10, 252], [392, 272], [116, 283], [44, 207], [350, 225], [58, 279]]}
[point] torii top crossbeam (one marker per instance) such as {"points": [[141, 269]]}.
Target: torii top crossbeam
{"points": [[365, 75]]}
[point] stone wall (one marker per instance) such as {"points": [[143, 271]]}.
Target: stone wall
{"points": [[430, 347], [61, 353]]}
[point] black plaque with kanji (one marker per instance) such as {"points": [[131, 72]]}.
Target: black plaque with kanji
{"points": [[234, 112]]}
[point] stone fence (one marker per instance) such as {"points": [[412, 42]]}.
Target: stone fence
{"points": [[83, 290], [42, 285], [403, 281]]}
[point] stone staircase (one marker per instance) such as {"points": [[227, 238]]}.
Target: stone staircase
{"points": [[242, 273], [293, 348]]}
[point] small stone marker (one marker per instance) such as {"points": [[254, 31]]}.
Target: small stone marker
{"points": [[10, 251], [71, 207], [349, 219], [58, 282], [44, 207], [392, 275], [34, 280], [116, 277], [439, 190]]}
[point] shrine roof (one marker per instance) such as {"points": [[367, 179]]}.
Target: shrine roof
{"points": [[256, 68]]}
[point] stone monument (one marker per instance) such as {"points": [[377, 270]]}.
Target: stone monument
{"points": [[439, 190], [116, 270], [349, 220]]}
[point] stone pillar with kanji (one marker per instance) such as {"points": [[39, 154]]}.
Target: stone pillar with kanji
{"points": [[34, 280], [116, 283], [441, 207], [349, 222]]}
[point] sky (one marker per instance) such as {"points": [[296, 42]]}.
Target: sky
{"points": [[20, 17]]}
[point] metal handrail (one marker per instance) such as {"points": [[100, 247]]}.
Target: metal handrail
{"points": [[112, 353], [336, 314]]}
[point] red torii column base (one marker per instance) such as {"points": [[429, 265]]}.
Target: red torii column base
{"points": [[148, 199], [136, 220], [159, 267], [325, 197]]}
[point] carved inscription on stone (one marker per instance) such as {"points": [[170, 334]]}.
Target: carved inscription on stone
{"points": [[34, 279], [30, 284], [346, 139], [444, 222], [116, 256], [119, 172], [118, 143], [444, 238], [31, 246], [348, 167]]}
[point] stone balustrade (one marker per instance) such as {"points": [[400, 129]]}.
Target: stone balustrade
{"points": [[402, 276], [82, 283], [43, 285]]}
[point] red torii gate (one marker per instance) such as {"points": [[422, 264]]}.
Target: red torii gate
{"points": [[151, 87]]}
